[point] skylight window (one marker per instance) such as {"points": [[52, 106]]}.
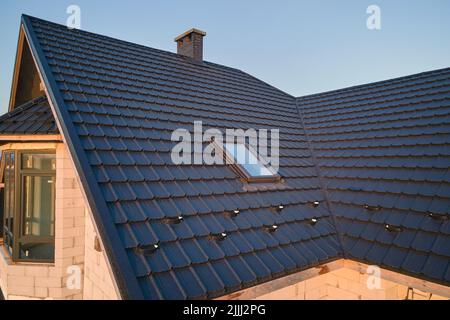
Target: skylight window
{"points": [[247, 160]]}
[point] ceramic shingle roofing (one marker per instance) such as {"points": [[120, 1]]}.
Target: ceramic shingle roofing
{"points": [[119, 102], [34, 117], [384, 151]]}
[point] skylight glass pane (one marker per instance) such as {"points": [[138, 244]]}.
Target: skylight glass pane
{"points": [[247, 159]]}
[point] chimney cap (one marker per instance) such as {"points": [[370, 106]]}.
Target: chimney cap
{"points": [[193, 30]]}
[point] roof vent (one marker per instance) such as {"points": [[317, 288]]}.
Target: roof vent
{"points": [[278, 209], [272, 228], [439, 217], [372, 208], [391, 228], [233, 213], [218, 236], [174, 220], [147, 250], [313, 221], [190, 44], [315, 204]]}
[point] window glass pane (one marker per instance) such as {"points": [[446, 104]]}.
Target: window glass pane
{"points": [[247, 159], [36, 192], [37, 251], [44, 161], [38, 212]]}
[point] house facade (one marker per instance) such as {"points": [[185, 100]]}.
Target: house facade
{"points": [[77, 267], [94, 207]]}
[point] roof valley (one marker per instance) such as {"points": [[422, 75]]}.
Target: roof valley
{"points": [[322, 184]]}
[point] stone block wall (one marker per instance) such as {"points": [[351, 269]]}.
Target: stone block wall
{"points": [[347, 284], [75, 255]]}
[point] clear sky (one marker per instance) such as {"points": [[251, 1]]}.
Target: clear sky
{"points": [[301, 47]]}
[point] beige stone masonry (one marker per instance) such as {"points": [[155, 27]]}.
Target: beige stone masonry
{"points": [[74, 245], [98, 282], [349, 284]]}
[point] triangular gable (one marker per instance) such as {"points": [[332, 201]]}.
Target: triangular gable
{"points": [[26, 84]]}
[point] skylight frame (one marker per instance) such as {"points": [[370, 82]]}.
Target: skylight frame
{"points": [[242, 171]]}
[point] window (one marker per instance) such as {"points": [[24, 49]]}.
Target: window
{"points": [[9, 197], [29, 205], [248, 163]]}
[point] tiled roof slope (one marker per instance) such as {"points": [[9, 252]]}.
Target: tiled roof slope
{"points": [[34, 117], [119, 103], [386, 145]]}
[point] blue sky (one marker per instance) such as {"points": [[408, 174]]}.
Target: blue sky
{"points": [[301, 47]]}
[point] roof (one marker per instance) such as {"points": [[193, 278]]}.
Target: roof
{"points": [[33, 117], [117, 104], [386, 146]]}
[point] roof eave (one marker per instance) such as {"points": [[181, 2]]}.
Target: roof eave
{"points": [[30, 138]]}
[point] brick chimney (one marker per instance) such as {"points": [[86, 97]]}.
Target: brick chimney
{"points": [[190, 44]]}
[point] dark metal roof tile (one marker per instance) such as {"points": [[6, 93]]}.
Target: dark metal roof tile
{"points": [[169, 286], [436, 266], [191, 283], [442, 245], [225, 273], [394, 257], [423, 241], [120, 103], [33, 117], [414, 261], [210, 279], [270, 262], [175, 254], [242, 269]]}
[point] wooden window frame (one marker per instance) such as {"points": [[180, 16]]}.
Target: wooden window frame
{"points": [[19, 176]]}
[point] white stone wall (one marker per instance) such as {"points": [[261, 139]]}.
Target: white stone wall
{"points": [[48, 280], [346, 284], [74, 246], [98, 282]]}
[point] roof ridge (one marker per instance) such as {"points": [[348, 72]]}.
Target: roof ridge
{"points": [[133, 43], [369, 84], [269, 85], [163, 54]]}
